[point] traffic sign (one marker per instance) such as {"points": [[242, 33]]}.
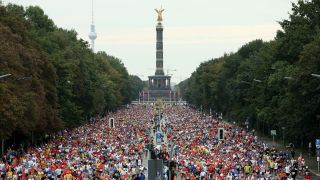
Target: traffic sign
{"points": [[318, 152], [273, 132], [111, 123], [220, 133], [318, 143]]}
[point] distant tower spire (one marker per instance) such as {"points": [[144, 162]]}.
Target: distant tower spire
{"points": [[92, 34]]}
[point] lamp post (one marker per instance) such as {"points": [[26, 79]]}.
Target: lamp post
{"points": [[288, 77], [291, 78], [5, 75], [247, 123], [316, 75], [257, 80]]}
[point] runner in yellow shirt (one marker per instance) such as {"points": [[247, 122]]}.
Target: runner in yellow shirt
{"points": [[68, 176]]}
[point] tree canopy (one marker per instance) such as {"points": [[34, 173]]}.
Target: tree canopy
{"points": [[57, 81], [269, 83]]}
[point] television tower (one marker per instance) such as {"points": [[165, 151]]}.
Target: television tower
{"points": [[92, 34]]}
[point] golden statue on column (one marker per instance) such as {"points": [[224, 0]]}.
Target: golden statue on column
{"points": [[159, 11]]}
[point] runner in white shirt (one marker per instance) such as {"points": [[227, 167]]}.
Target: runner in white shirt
{"points": [[287, 169], [2, 165], [289, 178], [276, 165], [202, 174], [229, 176]]}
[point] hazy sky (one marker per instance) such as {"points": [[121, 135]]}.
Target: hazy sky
{"points": [[194, 30]]}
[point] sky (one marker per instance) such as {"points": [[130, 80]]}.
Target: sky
{"points": [[194, 30]]}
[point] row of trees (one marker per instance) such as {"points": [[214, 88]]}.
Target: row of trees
{"points": [[268, 83], [56, 81]]}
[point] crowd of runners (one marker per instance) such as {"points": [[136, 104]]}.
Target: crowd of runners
{"points": [[96, 151], [92, 151], [201, 155]]}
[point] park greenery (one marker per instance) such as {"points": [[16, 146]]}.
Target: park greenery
{"points": [[268, 83], [57, 81]]}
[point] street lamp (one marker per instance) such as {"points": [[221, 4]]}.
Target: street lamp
{"points": [[247, 123], [5, 75], [316, 75], [257, 80], [288, 77]]}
